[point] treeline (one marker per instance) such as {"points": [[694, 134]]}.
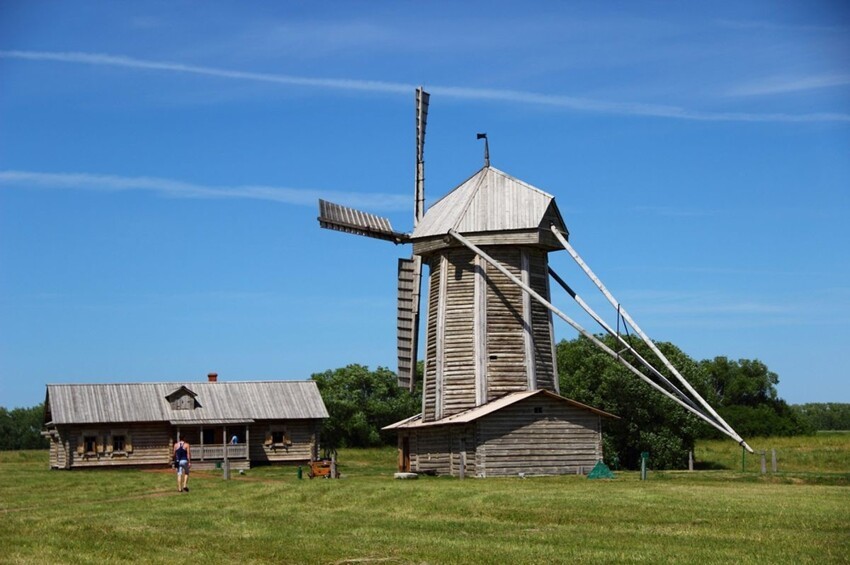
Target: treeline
{"points": [[20, 428], [825, 416]]}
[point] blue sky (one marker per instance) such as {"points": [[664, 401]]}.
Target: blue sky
{"points": [[160, 164]]}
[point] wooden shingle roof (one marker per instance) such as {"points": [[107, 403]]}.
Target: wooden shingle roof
{"points": [[216, 402], [489, 201]]}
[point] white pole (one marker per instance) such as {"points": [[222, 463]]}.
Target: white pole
{"points": [[731, 433], [583, 331]]}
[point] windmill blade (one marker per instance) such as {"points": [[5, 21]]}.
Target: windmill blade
{"points": [[409, 277], [410, 270], [422, 99], [341, 218]]}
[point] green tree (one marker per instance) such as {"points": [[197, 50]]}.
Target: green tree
{"points": [[20, 428], [745, 395], [648, 420], [360, 402], [824, 415]]}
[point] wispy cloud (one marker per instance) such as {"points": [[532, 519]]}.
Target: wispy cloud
{"points": [[481, 94], [179, 189], [782, 85]]}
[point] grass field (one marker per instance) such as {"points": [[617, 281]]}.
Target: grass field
{"points": [[799, 515]]}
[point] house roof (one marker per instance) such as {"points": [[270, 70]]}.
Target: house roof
{"points": [[215, 402], [480, 411], [489, 201]]}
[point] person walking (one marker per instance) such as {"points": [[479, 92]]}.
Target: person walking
{"points": [[183, 460]]}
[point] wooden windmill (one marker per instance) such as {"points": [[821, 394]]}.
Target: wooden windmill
{"points": [[490, 401]]}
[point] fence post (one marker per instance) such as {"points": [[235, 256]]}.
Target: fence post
{"points": [[773, 459], [690, 460], [763, 462]]}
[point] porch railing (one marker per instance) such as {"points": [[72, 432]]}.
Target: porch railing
{"points": [[201, 452]]}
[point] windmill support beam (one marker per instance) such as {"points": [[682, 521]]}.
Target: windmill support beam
{"points": [[577, 258], [619, 338], [587, 334]]}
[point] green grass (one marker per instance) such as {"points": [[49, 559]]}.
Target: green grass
{"points": [[801, 515]]}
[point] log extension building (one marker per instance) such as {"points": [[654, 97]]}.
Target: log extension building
{"points": [[135, 424]]}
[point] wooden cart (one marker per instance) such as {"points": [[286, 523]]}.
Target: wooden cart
{"points": [[323, 468]]}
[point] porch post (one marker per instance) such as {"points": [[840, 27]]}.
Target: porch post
{"points": [[202, 442]]}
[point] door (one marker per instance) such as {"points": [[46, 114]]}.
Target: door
{"points": [[404, 459]]}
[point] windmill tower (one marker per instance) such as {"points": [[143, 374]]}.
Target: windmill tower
{"points": [[490, 400]]}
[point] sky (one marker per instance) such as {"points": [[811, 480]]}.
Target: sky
{"points": [[160, 164]]}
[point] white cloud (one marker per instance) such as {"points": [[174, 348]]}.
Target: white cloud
{"points": [[501, 95], [782, 85], [179, 189]]}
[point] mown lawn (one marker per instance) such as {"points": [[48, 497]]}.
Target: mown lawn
{"points": [[269, 516]]}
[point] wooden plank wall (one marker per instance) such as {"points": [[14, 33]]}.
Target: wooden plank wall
{"points": [[429, 388], [560, 440], [542, 322], [459, 339], [506, 367]]}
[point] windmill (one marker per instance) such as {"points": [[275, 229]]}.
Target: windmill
{"points": [[489, 341]]}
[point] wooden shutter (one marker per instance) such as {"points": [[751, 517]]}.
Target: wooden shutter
{"points": [[107, 441], [128, 443], [269, 440], [81, 445]]}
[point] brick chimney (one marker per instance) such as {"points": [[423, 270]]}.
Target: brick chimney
{"points": [[212, 377]]}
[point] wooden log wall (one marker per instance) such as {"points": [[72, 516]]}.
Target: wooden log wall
{"points": [[432, 447], [149, 444], [302, 441], [560, 439]]}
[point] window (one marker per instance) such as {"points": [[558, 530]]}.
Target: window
{"points": [[538, 409], [119, 443], [90, 444], [209, 437], [279, 436]]}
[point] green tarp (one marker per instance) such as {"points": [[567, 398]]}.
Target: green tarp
{"points": [[600, 471]]}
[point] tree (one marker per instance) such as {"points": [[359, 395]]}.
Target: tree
{"points": [[824, 415], [360, 402], [20, 428], [746, 397], [648, 420]]}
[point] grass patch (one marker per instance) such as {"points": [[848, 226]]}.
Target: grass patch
{"points": [[269, 516]]}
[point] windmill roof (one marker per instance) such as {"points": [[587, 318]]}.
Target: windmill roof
{"points": [[216, 402], [490, 200]]}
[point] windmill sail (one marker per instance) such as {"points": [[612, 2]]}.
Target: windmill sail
{"points": [[409, 272], [341, 218]]}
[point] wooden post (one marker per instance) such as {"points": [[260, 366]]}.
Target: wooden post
{"points": [[773, 459], [462, 470], [333, 465], [690, 460], [743, 459], [763, 462], [226, 466]]}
